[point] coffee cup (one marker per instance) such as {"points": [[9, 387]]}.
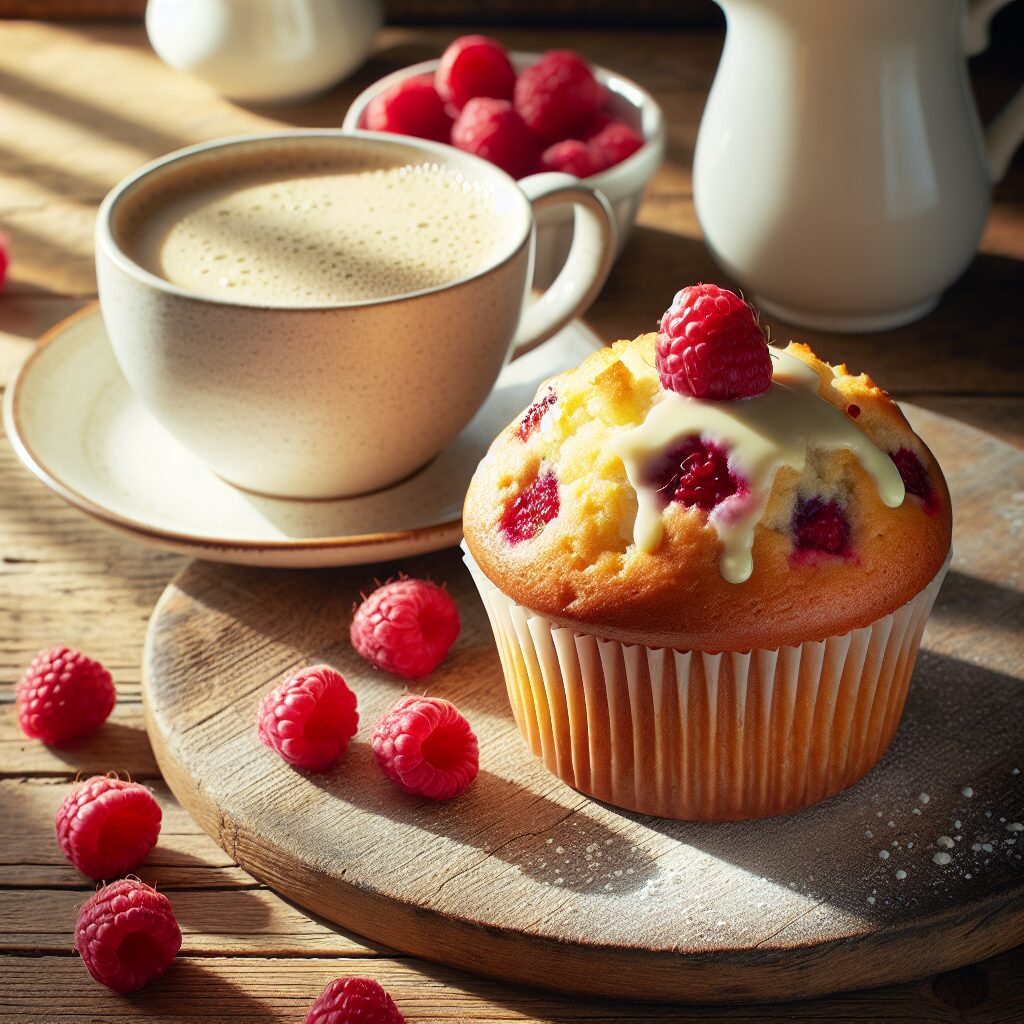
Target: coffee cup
{"points": [[316, 314]]}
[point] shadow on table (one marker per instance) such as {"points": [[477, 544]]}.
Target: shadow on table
{"points": [[555, 843], [947, 773], [966, 989], [208, 995]]}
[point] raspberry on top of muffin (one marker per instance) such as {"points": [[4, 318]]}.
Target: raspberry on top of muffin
{"points": [[698, 488]]}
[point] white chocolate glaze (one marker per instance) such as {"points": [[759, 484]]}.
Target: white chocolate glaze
{"points": [[759, 434]]}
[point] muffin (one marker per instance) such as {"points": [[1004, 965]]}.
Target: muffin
{"points": [[708, 563]]}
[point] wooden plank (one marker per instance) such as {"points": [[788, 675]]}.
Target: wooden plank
{"points": [[233, 922], [23, 318], [184, 858], [65, 579], [225, 989], [119, 745]]}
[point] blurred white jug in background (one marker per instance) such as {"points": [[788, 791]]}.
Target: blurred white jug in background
{"points": [[841, 173], [264, 51]]}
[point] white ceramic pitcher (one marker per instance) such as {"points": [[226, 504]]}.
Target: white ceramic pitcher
{"points": [[841, 173]]}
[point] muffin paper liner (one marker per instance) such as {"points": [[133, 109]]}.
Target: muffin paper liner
{"points": [[699, 736]]}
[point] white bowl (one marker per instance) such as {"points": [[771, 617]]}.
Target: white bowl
{"points": [[623, 184]]}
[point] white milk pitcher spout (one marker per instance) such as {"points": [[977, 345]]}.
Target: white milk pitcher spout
{"points": [[841, 173]]}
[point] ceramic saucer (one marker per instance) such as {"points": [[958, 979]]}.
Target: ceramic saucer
{"points": [[75, 423]]}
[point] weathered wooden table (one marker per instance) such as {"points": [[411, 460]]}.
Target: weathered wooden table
{"points": [[80, 106]]}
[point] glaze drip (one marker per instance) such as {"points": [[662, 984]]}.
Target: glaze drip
{"points": [[760, 434]]}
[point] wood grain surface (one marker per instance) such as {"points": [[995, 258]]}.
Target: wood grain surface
{"points": [[81, 105], [524, 878]]}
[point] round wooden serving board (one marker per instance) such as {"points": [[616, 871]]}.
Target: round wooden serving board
{"points": [[527, 880]]}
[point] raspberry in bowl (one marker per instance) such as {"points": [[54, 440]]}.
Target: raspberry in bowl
{"points": [[620, 126], [708, 563]]}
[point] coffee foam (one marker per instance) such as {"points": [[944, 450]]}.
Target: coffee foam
{"points": [[311, 227]]}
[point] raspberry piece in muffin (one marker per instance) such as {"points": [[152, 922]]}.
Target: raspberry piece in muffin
{"points": [[531, 509], [532, 417], [710, 346], [915, 477], [820, 525], [696, 474]]}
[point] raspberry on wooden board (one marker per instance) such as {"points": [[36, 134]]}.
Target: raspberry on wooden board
{"points": [[406, 627], [309, 718], [426, 747]]}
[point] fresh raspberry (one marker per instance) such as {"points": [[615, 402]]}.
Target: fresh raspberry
{"points": [[915, 477], [612, 144], [532, 417], [63, 695], [309, 718], [710, 346], [558, 97], [696, 473], [127, 935], [5, 258], [106, 827], [410, 107], [820, 525], [354, 1001], [474, 66], [425, 746], [406, 627], [570, 156], [531, 509], [493, 130]]}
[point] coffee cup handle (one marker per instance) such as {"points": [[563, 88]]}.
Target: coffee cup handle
{"points": [[586, 267]]}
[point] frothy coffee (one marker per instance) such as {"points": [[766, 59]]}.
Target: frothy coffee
{"points": [[310, 227]]}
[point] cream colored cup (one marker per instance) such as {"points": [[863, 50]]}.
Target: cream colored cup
{"points": [[317, 402]]}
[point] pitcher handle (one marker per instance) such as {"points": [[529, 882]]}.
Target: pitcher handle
{"points": [[1006, 131]]}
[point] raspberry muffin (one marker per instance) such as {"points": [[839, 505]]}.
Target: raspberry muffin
{"points": [[708, 564]]}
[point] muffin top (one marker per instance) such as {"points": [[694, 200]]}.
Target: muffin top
{"points": [[790, 502]]}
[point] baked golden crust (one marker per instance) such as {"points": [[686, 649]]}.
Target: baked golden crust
{"points": [[583, 568]]}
